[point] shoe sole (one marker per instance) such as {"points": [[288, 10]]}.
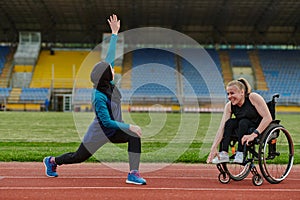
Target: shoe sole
{"points": [[222, 161], [135, 183], [46, 169], [238, 162]]}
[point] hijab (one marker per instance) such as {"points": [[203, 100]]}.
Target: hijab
{"points": [[101, 77]]}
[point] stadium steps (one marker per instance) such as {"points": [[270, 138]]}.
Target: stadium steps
{"points": [[225, 66], [127, 63], [23, 68], [14, 96], [261, 83], [4, 77]]}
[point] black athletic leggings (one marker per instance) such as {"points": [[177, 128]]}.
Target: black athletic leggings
{"points": [[82, 153], [235, 127]]}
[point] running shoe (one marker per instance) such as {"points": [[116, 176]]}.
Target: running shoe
{"points": [[134, 177], [50, 167], [223, 157], [239, 157]]}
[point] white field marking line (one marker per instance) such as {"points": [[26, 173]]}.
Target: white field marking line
{"points": [[151, 188]]}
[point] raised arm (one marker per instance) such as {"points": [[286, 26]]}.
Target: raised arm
{"points": [[114, 24]]}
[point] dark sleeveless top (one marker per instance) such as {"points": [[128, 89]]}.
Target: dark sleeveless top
{"points": [[246, 111]]}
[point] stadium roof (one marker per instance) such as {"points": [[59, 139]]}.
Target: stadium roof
{"points": [[207, 21]]}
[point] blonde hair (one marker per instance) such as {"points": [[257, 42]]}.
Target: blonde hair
{"points": [[241, 83]]}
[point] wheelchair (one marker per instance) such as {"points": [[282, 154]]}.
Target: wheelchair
{"points": [[273, 150]]}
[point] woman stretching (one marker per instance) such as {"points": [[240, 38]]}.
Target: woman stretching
{"points": [[108, 125]]}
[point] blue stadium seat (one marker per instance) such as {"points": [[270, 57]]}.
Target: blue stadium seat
{"points": [[4, 51], [282, 71], [82, 95], [239, 57], [153, 73], [194, 83], [4, 92], [34, 94]]}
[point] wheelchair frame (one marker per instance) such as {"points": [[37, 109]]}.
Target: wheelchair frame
{"points": [[263, 155]]}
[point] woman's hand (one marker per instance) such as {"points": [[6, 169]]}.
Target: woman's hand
{"points": [[248, 138], [114, 24], [135, 129], [213, 153]]}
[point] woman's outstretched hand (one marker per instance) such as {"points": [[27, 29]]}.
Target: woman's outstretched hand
{"points": [[114, 24]]}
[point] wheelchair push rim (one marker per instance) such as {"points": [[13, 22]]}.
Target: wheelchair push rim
{"points": [[277, 154]]}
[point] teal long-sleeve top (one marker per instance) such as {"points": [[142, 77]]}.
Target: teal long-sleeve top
{"points": [[108, 112], [111, 53]]}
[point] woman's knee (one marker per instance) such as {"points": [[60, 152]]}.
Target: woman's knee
{"points": [[230, 124], [229, 128], [244, 124]]}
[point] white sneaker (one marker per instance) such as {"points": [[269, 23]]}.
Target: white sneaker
{"points": [[224, 157], [239, 157]]}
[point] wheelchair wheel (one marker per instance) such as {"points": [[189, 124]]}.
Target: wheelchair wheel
{"points": [[257, 180], [224, 178], [276, 154], [236, 171]]}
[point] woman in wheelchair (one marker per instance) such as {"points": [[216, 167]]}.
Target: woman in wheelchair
{"points": [[245, 111]]}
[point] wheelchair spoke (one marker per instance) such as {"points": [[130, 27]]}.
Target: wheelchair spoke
{"points": [[277, 155]]}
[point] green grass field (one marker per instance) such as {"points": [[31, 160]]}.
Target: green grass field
{"points": [[30, 136]]}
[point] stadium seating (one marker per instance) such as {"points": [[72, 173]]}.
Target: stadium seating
{"points": [[282, 71], [66, 65], [161, 76], [82, 95], [215, 57], [153, 74], [4, 51], [195, 83], [34, 94], [239, 57], [4, 93]]}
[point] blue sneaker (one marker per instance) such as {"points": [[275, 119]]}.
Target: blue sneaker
{"points": [[134, 177], [50, 167]]}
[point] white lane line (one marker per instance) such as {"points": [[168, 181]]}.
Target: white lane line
{"points": [[107, 177], [119, 177], [152, 188]]}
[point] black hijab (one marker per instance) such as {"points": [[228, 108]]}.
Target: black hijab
{"points": [[102, 76]]}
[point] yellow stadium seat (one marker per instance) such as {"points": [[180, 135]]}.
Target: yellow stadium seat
{"points": [[59, 69]]}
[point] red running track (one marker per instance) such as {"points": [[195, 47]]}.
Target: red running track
{"points": [[97, 181]]}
